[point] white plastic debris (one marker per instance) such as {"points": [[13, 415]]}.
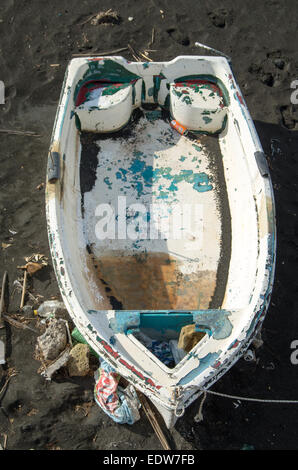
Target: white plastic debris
{"points": [[56, 365], [50, 308], [2, 352], [249, 355]]}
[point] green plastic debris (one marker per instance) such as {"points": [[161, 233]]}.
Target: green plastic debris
{"points": [[79, 338]]}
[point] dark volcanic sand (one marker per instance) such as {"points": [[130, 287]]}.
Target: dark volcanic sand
{"points": [[261, 37]]}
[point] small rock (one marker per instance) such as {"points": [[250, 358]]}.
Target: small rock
{"points": [[218, 17], [267, 79], [54, 340], [289, 116], [279, 63], [78, 363]]}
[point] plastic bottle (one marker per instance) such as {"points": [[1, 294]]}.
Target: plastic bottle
{"points": [[50, 308]]}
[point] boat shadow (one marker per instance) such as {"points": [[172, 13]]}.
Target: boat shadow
{"points": [[273, 366]]}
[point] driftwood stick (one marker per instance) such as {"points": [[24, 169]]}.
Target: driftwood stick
{"points": [[16, 132], [56, 364], [10, 373], [99, 54], [134, 53], [18, 324], [153, 421], [152, 37], [24, 289], [144, 56]]}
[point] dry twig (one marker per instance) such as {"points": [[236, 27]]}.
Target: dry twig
{"points": [[10, 373], [18, 324], [103, 17], [15, 132], [101, 54]]}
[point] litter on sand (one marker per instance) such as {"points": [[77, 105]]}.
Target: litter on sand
{"points": [[122, 405], [168, 352], [50, 308], [79, 338], [56, 365], [34, 263]]}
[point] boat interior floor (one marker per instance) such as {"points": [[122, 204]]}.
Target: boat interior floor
{"points": [[156, 215]]}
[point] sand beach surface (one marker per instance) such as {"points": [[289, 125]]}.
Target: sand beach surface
{"points": [[37, 39]]}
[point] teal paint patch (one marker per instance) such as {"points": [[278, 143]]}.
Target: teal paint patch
{"points": [[139, 188], [137, 165], [205, 362], [109, 70], [112, 340], [165, 321], [214, 322], [156, 82], [148, 174], [161, 321], [182, 158], [177, 92], [198, 148], [199, 181], [140, 170], [112, 89], [125, 322], [153, 115], [187, 100], [121, 174], [108, 182], [207, 119]]}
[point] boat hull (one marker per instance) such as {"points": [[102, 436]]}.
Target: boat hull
{"points": [[108, 167]]}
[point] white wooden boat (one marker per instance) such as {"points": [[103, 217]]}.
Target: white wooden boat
{"points": [[160, 214]]}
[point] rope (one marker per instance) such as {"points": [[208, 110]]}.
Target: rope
{"points": [[259, 400], [181, 412], [199, 416]]}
